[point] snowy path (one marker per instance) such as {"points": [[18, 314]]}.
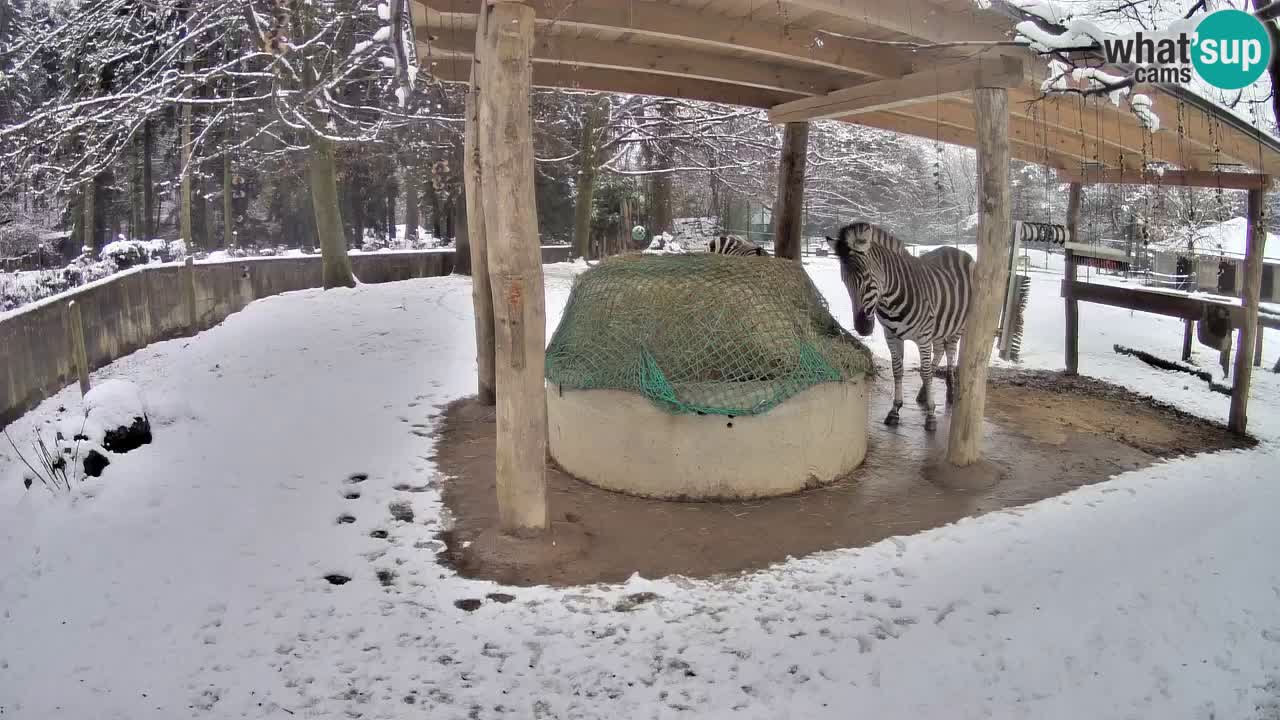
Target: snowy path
{"points": [[189, 581]]}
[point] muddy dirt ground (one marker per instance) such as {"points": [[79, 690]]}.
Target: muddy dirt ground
{"points": [[1046, 433]]}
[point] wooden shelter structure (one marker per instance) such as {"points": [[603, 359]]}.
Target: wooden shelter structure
{"points": [[944, 70]]}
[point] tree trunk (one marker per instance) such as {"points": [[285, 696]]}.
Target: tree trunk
{"points": [[324, 202], [1072, 305], [210, 222], [135, 187], [228, 197], [392, 191], [89, 208], [186, 227], [410, 203], [991, 106], [625, 237], [481, 291], [788, 218], [1250, 291], [589, 154], [148, 188], [462, 242], [515, 266], [357, 213], [660, 204], [437, 227]]}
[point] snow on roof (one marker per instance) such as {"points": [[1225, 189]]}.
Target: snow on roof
{"points": [[1225, 238], [1080, 23]]}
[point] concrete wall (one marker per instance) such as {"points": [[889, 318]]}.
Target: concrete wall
{"points": [[129, 311]]}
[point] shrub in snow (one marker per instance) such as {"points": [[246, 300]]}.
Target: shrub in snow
{"points": [[116, 416], [125, 254], [18, 238], [64, 463]]}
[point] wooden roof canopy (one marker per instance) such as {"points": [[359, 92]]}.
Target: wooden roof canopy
{"points": [[887, 64]]}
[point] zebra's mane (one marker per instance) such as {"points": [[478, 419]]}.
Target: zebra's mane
{"points": [[887, 240]]}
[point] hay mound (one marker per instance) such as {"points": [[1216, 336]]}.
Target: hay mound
{"points": [[701, 333]]}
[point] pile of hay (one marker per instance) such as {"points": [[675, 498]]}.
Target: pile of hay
{"points": [[701, 333]]}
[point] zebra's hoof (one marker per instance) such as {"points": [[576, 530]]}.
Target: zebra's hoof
{"points": [[891, 419], [931, 423]]}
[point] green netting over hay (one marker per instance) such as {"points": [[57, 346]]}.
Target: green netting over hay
{"points": [[701, 333]]}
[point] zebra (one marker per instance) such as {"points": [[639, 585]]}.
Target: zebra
{"points": [[734, 245], [922, 299]]}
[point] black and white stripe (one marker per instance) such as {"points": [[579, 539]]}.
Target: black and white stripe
{"points": [[922, 299], [734, 245]]}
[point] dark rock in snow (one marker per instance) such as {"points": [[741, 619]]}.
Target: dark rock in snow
{"points": [[634, 600], [125, 438], [401, 511], [94, 463]]}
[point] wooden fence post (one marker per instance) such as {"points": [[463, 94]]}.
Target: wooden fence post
{"points": [[79, 354], [1069, 277], [1257, 347], [995, 227], [1188, 330], [505, 139], [189, 292], [1249, 295], [789, 217]]}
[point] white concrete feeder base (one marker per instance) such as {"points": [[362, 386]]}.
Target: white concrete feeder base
{"points": [[621, 441]]}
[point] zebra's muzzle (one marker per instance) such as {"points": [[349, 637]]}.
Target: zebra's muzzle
{"points": [[864, 323]]}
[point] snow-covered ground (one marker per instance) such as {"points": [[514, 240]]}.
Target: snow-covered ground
{"points": [[189, 580]]}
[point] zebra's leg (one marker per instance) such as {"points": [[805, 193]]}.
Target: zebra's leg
{"points": [[926, 379], [953, 357], [895, 355], [938, 349]]}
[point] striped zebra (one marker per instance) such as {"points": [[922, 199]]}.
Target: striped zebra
{"points": [[922, 299], [734, 245]]}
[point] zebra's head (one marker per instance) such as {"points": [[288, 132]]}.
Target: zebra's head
{"points": [[856, 270]]}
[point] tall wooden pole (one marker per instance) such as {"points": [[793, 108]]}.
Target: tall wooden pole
{"points": [[995, 227], [481, 293], [789, 211], [1249, 295], [505, 137], [1073, 306]]}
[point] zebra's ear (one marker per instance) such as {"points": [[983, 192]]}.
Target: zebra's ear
{"points": [[839, 247]]}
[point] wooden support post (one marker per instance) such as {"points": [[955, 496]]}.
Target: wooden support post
{"points": [[1073, 306], [995, 225], [79, 354], [481, 292], [1257, 347], [1188, 331], [788, 219], [189, 293], [505, 139], [1249, 295]]}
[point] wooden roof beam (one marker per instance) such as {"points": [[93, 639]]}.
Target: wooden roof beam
{"points": [[1036, 145], [928, 21], [996, 72], [1071, 114], [1175, 178], [660, 20], [680, 62], [956, 135], [630, 82]]}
